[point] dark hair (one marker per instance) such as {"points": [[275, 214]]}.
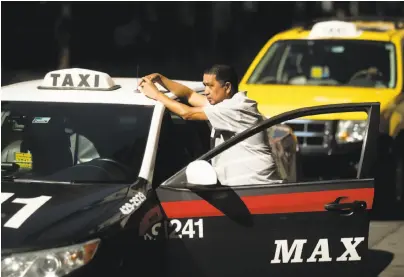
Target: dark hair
{"points": [[224, 73]]}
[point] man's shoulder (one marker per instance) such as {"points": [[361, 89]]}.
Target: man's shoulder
{"points": [[239, 101], [240, 98]]}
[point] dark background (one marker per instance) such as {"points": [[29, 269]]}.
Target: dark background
{"points": [[178, 39]]}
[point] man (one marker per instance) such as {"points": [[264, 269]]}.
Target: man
{"points": [[229, 112]]}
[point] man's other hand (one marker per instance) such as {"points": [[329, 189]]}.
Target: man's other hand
{"points": [[149, 89]]}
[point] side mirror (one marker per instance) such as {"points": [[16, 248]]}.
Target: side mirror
{"points": [[201, 173]]}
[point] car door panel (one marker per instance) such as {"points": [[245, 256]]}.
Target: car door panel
{"points": [[258, 218], [294, 229], [262, 199]]}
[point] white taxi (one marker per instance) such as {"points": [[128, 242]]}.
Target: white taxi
{"points": [[80, 117]]}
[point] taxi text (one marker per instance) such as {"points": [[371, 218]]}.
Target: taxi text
{"points": [[68, 80]]}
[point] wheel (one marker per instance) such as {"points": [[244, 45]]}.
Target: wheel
{"points": [[372, 71]]}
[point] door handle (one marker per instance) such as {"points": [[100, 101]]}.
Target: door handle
{"points": [[345, 208]]}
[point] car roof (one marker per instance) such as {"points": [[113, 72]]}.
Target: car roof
{"points": [[369, 28], [126, 93]]}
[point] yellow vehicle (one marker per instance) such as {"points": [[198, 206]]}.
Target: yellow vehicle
{"points": [[333, 61]]}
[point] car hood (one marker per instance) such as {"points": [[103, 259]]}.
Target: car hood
{"points": [[275, 99], [39, 214]]}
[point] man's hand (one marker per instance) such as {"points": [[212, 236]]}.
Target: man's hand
{"points": [[189, 113], [176, 88], [154, 77], [147, 87]]}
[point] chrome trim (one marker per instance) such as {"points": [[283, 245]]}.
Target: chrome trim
{"points": [[306, 130], [307, 121], [309, 134]]}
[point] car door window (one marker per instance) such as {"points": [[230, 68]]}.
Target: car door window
{"points": [[282, 162], [328, 148], [180, 142], [193, 135]]}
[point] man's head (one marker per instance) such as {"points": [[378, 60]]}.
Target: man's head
{"points": [[221, 82]]}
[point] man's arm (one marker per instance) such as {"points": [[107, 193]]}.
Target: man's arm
{"points": [[179, 90], [184, 111]]}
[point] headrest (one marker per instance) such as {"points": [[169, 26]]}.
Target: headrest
{"points": [[46, 132]]}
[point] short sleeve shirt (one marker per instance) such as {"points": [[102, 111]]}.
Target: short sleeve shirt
{"points": [[249, 162]]}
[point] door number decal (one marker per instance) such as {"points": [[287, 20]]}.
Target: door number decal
{"points": [[176, 229], [31, 205]]}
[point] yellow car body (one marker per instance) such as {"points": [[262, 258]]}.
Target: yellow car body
{"points": [[330, 62], [279, 96]]}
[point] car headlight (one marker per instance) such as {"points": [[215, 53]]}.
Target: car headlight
{"points": [[350, 131], [53, 262]]}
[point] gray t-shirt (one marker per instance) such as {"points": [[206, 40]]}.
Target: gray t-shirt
{"points": [[249, 162]]}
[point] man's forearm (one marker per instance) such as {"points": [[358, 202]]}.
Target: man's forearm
{"points": [[184, 111], [178, 89]]}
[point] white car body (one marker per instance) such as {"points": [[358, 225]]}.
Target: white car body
{"points": [[127, 94]]}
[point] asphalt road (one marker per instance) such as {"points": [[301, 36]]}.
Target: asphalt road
{"points": [[386, 241]]}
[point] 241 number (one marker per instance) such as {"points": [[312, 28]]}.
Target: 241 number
{"points": [[191, 229], [187, 230]]}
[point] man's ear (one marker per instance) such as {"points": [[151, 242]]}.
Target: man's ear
{"points": [[227, 87]]}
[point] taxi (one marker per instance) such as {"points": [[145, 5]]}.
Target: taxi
{"points": [[73, 143], [330, 61], [99, 180]]}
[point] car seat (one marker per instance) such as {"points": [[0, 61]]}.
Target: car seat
{"points": [[49, 145]]}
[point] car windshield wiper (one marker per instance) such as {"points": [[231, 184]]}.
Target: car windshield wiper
{"points": [[22, 180], [100, 182], [268, 82], [71, 182]]}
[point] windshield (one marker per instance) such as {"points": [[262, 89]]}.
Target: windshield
{"points": [[74, 141], [352, 63]]}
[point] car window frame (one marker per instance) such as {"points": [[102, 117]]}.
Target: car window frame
{"points": [[402, 64], [145, 171], [367, 158]]}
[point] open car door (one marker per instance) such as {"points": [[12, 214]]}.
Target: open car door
{"points": [[305, 228]]}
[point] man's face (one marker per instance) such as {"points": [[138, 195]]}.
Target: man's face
{"points": [[215, 93]]}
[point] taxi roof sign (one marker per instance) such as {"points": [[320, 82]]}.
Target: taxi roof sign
{"points": [[78, 79], [334, 29]]}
